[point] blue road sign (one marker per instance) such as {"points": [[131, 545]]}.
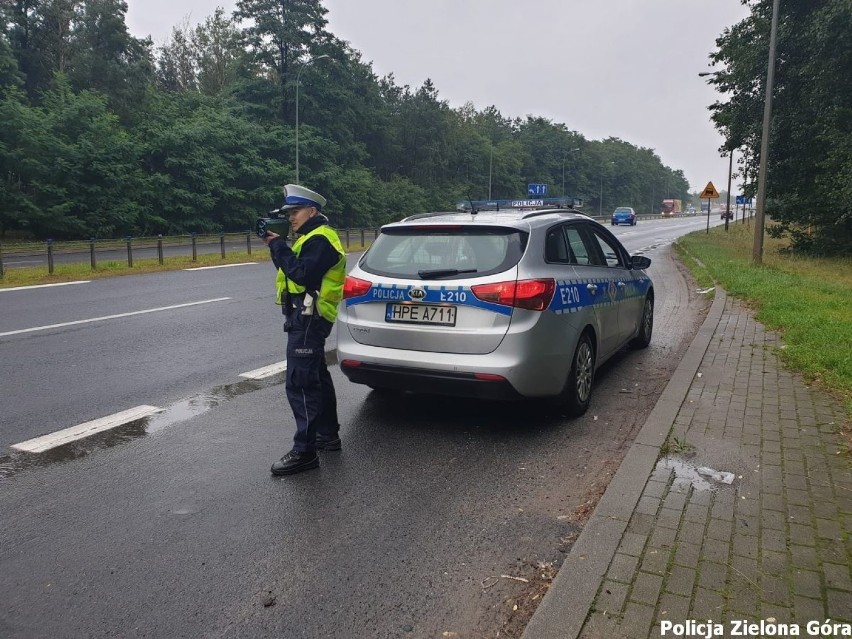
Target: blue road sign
{"points": [[742, 199], [537, 189]]}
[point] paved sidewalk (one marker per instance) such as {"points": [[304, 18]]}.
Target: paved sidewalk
{"points": [[670, 540]]}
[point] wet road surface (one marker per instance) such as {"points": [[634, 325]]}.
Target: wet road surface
{"points": [[172, 526]]}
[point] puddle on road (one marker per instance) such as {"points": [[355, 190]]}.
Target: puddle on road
{"points": [[175, 413], [687, 474]]}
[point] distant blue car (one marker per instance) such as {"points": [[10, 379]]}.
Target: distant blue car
{"points": [[624, 215]]}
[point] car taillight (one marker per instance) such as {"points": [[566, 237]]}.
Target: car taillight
{"points": [[534, 295], [353, 287], [489, 377]]}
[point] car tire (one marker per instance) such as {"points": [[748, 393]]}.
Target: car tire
{"points": [[646, 329], [577, 394]]}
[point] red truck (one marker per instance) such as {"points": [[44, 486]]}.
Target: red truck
{"points": [[671, 208]]}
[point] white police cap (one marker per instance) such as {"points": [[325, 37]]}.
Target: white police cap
{"points": [[296, 196]]}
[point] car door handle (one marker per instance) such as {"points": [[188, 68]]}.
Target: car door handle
{"points": [[592, 288]]}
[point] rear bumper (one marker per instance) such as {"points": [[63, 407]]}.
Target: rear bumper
{"points": [[428, 381]]}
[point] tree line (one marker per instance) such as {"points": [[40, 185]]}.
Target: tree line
{"points": [[106, 135], [809, 165]]}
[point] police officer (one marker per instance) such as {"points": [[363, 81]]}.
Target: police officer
{"points": [[309, 288]]}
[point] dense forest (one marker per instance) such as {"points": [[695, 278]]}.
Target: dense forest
{"points": [[105, 135], [809, 184]]}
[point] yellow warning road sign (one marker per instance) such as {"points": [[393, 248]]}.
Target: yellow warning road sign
{"points": [[709, 192]]}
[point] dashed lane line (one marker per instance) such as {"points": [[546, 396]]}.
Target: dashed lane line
{"points": [[61, 437], [207, 268], [266, 371], [109, 317], [26, 288]]}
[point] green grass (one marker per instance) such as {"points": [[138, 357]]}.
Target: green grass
{"points": [[31, 276], [83, 271], [809, 301]]}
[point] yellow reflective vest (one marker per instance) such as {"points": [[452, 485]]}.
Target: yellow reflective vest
{"points": [[331, 288]]}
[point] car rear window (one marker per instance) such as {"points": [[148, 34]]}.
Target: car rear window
{"points": [[457, 253]]}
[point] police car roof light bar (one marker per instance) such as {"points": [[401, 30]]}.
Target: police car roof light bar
{"points": [[496, 205]]}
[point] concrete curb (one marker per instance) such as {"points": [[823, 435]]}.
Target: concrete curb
{"points": [[566, 605]]}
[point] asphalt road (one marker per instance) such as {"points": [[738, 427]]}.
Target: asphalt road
{"points": [[172, 526]]}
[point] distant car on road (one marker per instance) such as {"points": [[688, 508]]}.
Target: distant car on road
{"points": [[624, 215], [727, 214], [498, 305]]}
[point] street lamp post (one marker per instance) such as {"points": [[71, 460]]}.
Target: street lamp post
{"points": [[490, 164], [298, 76], [704, 74], [565, 155], [600, 201]]}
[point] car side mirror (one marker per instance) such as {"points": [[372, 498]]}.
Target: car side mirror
{"points": [[640, 262]]}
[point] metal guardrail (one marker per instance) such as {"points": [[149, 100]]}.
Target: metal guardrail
{"points": [[148, 247]]}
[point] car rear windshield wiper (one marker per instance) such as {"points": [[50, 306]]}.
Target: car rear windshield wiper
{"points": [[438, 273]]}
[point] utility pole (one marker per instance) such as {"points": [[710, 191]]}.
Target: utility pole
{"points": [[760, 213], [730, 170], [565, 155]]}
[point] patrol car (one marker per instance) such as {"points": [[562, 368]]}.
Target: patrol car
{"points": [[500, 304]]}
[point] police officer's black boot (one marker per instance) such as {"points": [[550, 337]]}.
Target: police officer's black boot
{"points": [[328, 442], [295, 462]]}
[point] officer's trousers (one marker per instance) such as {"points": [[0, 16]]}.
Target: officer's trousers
{"points": [[310, 390]]}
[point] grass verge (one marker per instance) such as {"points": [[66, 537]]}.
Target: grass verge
{"points": [[30, 276], [807, 300], [83, 271]]}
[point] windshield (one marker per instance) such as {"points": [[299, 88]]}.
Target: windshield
{"points": [[425, 253]]}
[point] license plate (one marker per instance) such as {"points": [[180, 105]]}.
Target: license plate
{"points": [[421, 314]]}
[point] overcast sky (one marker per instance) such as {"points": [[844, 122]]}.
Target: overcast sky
{"points": [[605, 68]]}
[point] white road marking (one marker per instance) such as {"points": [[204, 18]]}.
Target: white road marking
{"points": [[24, 288], [108, 317], [60, 437], [266, 371], [206, 268]]}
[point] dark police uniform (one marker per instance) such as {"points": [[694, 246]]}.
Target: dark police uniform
{"points": [[309, 288]]}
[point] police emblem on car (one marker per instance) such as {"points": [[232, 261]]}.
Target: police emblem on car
{"points": [[417, 293]]}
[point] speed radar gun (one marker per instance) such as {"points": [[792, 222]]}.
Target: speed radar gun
{"points": [[277, 222]]}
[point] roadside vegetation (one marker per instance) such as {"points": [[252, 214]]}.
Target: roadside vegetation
{"points": [[198, 134], [808, 300], [34, 276]]}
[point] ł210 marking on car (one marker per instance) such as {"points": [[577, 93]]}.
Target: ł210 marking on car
{"points": [[507, 304]]}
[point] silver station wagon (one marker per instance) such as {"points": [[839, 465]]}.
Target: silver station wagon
{"points": [[501, 305]]}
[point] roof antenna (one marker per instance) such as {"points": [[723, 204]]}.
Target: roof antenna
{"points": [[473, 210]]}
